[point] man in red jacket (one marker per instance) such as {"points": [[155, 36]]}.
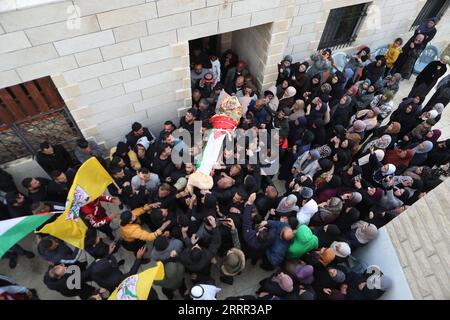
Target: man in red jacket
{"points": [[96, 215]]}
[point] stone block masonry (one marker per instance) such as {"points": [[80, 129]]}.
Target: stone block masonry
{"points": [[128, 60]]}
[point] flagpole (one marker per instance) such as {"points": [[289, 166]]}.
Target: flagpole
{"points": [[116, 185]]}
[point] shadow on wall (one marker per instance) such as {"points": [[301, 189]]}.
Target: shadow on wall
{"points": [[389, 265]]}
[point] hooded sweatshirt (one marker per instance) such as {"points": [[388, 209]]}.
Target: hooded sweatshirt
{"points": [[304, 241], [306, 212], [163, 255]]}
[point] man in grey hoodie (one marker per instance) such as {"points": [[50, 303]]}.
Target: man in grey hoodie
{"points": [[165, 249]]}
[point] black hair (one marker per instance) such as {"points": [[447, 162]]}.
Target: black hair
{"points": [[44, 145], [12, 196], [136, 126], [26, 182], [168, 122], [417, 184], [161, 243], [243, 194], [45, 244], [293, 222], [127, 191], [164, 146], [207, 124], [115, 161], [192, 111], [143, 170], [82, 143], [183, 220], [55, 173], [115, 170], [399, 40]]}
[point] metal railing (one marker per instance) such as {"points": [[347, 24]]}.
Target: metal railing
{"points": [[22, 138]]}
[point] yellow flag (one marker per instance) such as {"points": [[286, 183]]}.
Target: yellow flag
{"points": [[89, 183], [137, 286]]}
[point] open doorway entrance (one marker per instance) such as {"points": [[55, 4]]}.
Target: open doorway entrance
{"points": [[217, 60], [205, 46]]}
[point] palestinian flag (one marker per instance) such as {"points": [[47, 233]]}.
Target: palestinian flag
{"points": [[13, 230]]}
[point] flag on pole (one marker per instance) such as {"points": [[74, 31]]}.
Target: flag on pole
{"points": [[90, 182], [14, 230], [137, 286]]}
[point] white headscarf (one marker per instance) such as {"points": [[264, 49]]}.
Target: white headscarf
{"points": [[365, 160], [289, 93], [391, 170], [306, 212]]}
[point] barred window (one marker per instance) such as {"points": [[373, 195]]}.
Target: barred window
{"points": [[432, 8], [342, 26]]}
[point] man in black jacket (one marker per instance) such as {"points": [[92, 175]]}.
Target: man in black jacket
{"points": [[53, 157], [97, 248], [231, 201], [121, 176], [105, 272], [56, 251], [196, 259], [37, 188], [59, 277], [6, 182], [58, 188], [267, 200], [137, 132], [18, 204]]}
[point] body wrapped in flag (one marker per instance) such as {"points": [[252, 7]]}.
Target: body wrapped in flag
{"points": [[229, 110]]}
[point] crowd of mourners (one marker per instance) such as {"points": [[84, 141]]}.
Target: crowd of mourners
{"points": [[350, 162]]}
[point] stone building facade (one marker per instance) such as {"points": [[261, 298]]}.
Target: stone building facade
{"points": [[119, 61]]}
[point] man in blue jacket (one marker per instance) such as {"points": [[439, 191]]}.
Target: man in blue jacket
{"points": [[275, 254], [257, 239]]}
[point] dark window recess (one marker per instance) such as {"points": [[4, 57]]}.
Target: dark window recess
{"points": [[342, 26], [30, 113], [432, 8]]}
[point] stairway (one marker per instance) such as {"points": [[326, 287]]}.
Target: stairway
{"points": [[421, 238]]}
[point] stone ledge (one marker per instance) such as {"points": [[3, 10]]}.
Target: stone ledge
{"points": [[13, 5]]}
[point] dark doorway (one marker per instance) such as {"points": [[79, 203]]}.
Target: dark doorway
{"points": [[207, 45]]}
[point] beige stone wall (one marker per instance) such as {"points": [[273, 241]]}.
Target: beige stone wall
{"points": [[128, 59], [266, 45]]}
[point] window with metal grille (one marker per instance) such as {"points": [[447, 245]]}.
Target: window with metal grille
{"points": [[432, 8], [342, 26], [30, 113]]}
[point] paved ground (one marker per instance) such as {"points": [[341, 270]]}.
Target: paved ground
{"points": [[29, 272]]}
